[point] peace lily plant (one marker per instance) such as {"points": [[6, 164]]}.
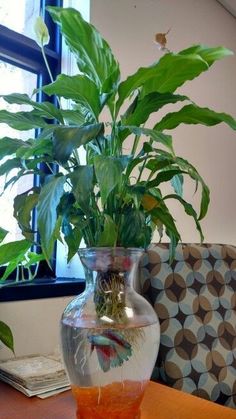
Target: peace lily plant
{"points": [[117, 197]]}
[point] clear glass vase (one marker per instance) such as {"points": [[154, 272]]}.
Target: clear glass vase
{"points": [[110, 337]]}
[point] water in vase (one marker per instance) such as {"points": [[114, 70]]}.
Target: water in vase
{"points": [[109, 368]]}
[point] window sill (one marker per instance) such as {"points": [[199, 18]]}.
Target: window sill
{"points": [[42, 288]]}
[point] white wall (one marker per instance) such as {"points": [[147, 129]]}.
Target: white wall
{"points": [[130, 26], [34, 324]]}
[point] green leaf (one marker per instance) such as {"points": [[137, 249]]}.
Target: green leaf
{"points": [[13, 251], [33, 258], [9, 146], [208, 54], [10, 268], [171, 71], [177, 184], [78, 116], [9, 165], [3, 234], [23, 206], [147, 105], [82, 184], [73, 237], [66, 139], [22, 121], [93, 54], [49, 199], [78, 88], [164, 77], [189, 211], [160, 162], [134, 231], [193, 114], [193, 173], [163, 215], [175, 69], [109, 234], [46, 109], [6, 336], [164, 176], [154, 135], [108, 171], [37, 147]]}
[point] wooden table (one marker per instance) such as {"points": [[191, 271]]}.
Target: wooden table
{"points": [[160, 402]]}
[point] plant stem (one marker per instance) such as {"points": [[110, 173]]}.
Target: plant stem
{"points": [[142, 169], [46, 63], [49, 72], [135, 144]]}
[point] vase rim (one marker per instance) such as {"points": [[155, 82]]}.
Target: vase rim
{"points": [[110, 249]]}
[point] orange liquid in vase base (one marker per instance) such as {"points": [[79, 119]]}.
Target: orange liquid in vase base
{"points": [[113, 401]]}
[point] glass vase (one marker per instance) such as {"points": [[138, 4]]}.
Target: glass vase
{"points": [[110, 337]]}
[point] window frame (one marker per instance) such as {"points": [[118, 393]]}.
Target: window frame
{"points": [[23, 52]]}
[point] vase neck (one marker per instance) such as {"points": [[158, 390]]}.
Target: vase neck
{"points": [[108, 264]]}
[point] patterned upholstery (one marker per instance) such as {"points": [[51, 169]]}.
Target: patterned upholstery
{"points": [[195, 301]]}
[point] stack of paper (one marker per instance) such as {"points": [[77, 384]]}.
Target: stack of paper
{"points": [[35, 375]]}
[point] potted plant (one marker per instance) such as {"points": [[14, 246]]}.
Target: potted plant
{"points": [[114, 200]]}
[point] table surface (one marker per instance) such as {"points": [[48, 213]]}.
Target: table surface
{"points": [[160, 402]]}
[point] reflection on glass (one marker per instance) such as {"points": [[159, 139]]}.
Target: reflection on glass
{"points": [[19, 15], [13, 79]]}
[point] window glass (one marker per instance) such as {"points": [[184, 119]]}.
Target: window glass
{"points": [[13, 79], [19, 15]]}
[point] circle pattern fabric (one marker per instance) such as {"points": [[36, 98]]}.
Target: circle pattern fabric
{"points": [[195, 300]]}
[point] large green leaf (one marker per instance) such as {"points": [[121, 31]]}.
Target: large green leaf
{"points": [[177, 184], [159, 162], [66, 139], [108, 171], [209, 54], [163, 216], [179, 167], [134, 230], [82, 183], [193, 114], [109, 235], [9, 146], [193, 173], [46, 109], [49, 199], [165, 76], [23, 206], [3, 233], [6, 336], [189, 210], [73, 237], [171, 71], [154, 134], [79, 116], [22, 121], [163, 176], [36, 147], [93, 54], [150, 103], [78, 88], [9, 165], [13, 251]]}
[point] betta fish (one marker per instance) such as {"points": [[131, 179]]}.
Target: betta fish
{"points": [[112, 349]]}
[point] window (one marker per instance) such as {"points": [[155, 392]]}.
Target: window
{"points": [[21, 70]]}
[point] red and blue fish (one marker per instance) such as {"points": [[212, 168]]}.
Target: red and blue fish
{"points": [[111, 348]]}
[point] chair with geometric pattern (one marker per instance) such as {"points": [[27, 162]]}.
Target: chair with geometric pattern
{"points": [[195, 300]]}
